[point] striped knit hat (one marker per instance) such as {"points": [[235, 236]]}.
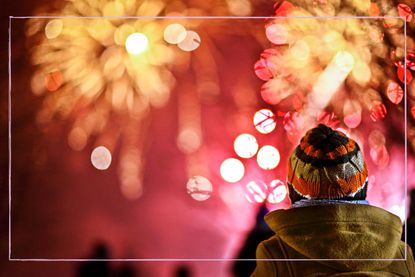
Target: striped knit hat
{"points": [[327, 165]]}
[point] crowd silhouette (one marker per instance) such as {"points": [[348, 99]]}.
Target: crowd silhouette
{"points": [[98, 265]]}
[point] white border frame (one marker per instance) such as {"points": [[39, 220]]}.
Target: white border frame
{"points": [[184, 259]]}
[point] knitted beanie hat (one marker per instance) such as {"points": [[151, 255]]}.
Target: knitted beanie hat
{"points": [[327, 165]]}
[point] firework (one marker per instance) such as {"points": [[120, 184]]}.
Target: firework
{"points": [[316, 63], [106, 74]]}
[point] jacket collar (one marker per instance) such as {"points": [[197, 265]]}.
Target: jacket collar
{"points": [[343, 232]]}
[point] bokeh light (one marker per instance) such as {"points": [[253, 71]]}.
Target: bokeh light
{"points": [[136, 43], [361, 73], [293, 123], [352, 113], [277, 33], [405, 11], [276, 90], [379, 156], [239, 7], [256, 191], [264, 121], [54, 28], [345, 61], [130, 172], [245, 146], [199, 188], [53, 80], [174, 33], [265, 69], [328, 118], [394, 92], [189, 140], [376, 138], [278, 192], [400, 72], [101, 158], [77, 138], [378, 112], [232, 170], [300, 50], [378, 151], [268, 157], [131, 187], [191, 42]]}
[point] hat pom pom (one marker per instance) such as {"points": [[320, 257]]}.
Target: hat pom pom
{"points": [[321, 136]]}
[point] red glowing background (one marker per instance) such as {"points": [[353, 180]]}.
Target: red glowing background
{"points": [[172, 112]]}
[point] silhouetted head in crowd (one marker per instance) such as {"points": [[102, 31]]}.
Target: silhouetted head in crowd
{"points": [[100, 251], [96, 268], [183, 271], [327, 165]]}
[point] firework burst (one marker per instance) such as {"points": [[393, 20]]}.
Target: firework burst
{"points": [[105, 74], [316, 63]]}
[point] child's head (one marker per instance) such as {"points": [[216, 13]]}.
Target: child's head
{"points": [[327, 165]]}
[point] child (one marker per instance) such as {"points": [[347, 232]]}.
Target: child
{"points": [[331, 230]]}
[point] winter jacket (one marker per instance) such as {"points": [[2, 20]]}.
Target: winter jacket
{"points": [[344, 232]]}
